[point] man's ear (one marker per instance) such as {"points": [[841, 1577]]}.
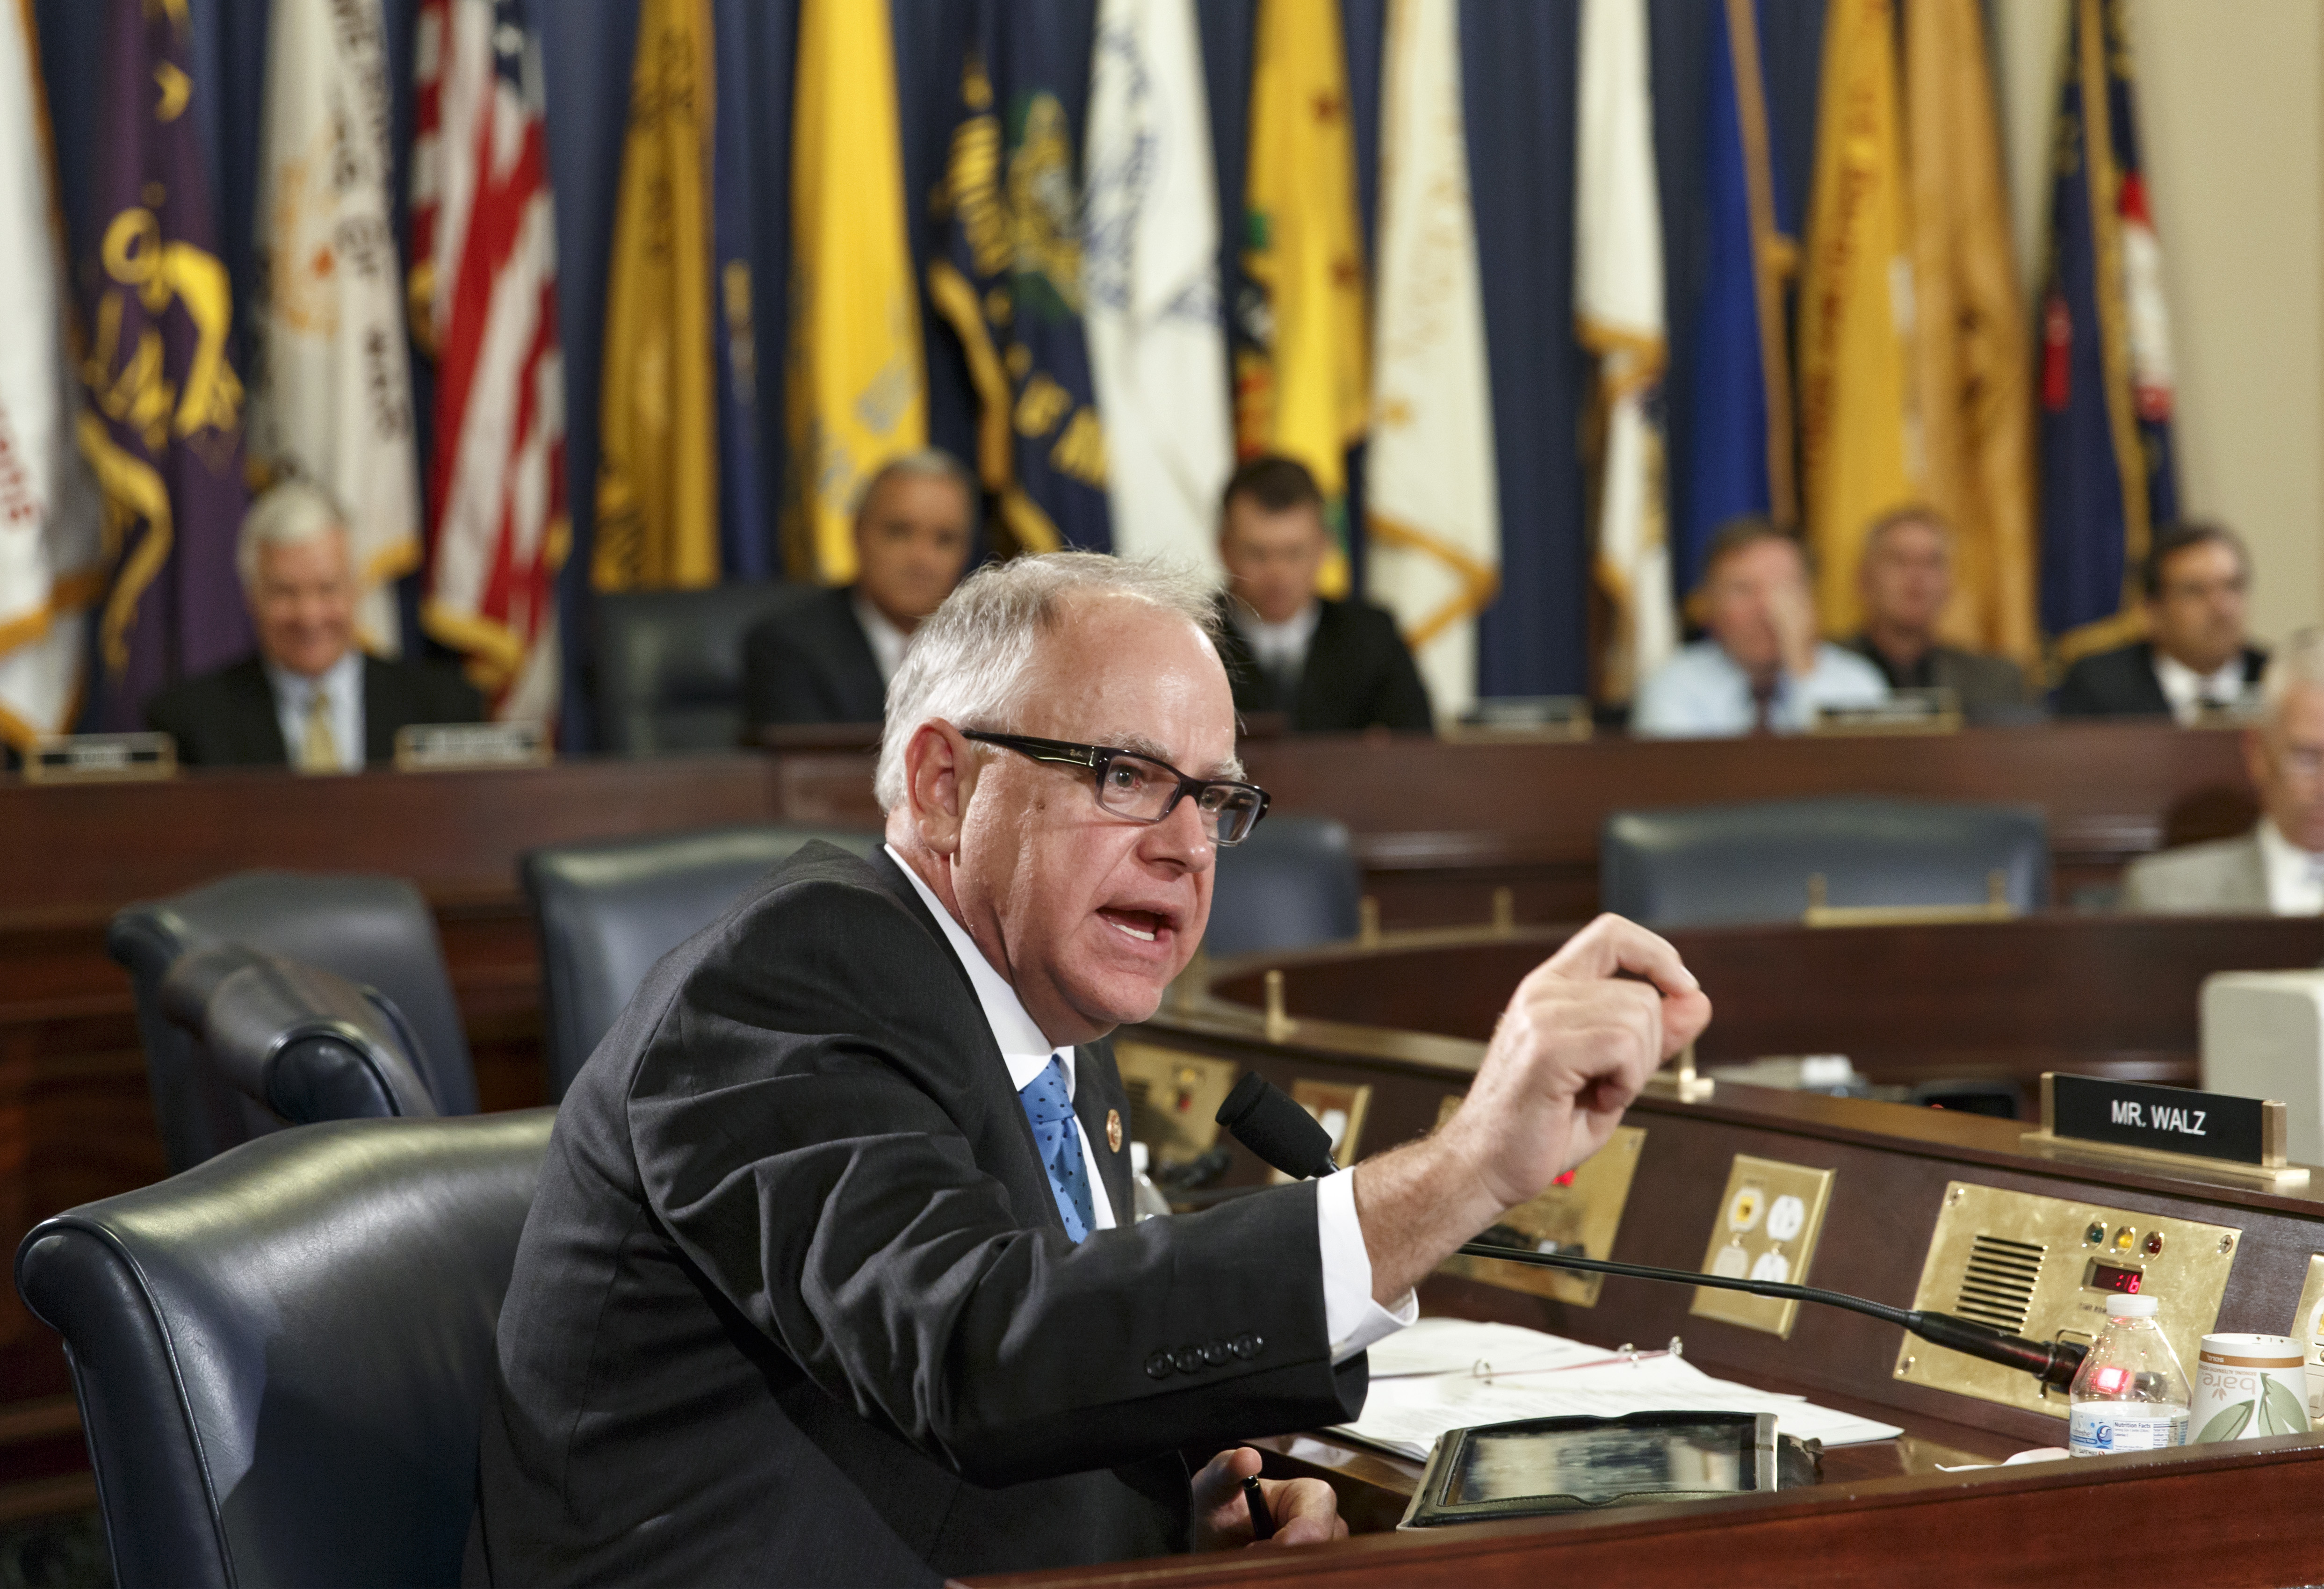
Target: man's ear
{"points": [[939, 775]]}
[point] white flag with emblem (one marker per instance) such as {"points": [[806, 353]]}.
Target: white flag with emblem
{"points": [[1433, 504], [333, 387], [1150, 279], [1618, 313], [49, 536]]}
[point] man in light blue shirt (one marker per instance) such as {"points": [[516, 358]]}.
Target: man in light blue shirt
{"points": [[1762, 669]]}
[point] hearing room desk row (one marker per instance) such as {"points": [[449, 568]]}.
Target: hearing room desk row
{"points": [[1912, 1198]]}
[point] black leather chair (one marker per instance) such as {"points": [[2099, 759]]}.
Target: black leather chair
{"points": [[282, 1355], [375, 931], [1294, 882], [607, 912], [1699, 865], [670, 665], [307, 1044]]}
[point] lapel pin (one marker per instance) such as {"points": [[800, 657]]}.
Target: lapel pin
{"points": [[1113, 1130]]}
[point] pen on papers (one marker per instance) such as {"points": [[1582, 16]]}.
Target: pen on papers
{"points": [[1262, 1521]]}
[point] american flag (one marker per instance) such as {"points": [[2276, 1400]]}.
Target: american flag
{"points": [[483, 294]]}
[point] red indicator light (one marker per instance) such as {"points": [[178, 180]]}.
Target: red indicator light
{"points": [[2109, 1382], [1566, 1179]]}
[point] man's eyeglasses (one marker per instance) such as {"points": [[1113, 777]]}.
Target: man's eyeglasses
{"points": [[1143, 790]]}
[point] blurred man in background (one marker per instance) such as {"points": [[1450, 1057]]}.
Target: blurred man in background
{"points": [[1332, 667], [310, 699], [1905, 579], [2277, 869], [2198, 583], [1762, 667], [829, 659]]}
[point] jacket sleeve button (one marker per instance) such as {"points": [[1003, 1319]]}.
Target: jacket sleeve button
{"points": [[1247, 1345], [1188, 1359], [1159, 1366], [1215, 1353]]}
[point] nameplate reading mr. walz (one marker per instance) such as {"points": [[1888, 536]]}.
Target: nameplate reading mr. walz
{"points": [[2171, 1120]]}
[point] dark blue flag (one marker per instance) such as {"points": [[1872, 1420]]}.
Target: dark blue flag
{"points": [[2107, 477], [746, 551], [1006, 275]]}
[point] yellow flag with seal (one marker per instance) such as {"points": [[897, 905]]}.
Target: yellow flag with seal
{"points": [[658, 470], [1856, 305], [855, 392], [1303, 386]]}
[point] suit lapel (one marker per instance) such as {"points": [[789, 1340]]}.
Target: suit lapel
{"points": [[253, 707], [2150, 682], [380, 714], [856, 676], [1098, 1095], [1322, 676]]}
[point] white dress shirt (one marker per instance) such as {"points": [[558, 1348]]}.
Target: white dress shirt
{"points": [[2190, 692], [1701, 691], [1351, 1317], [2295, 877], [887, 641], [341, 684], [1277, 648]]}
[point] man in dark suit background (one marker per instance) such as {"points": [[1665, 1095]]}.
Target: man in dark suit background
{"points": [[829, 659], [310, 699], [828, 1277], [1905, 577], [2197, 579], [1332, 667]]}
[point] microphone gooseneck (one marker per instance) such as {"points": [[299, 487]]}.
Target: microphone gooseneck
{"points": [[1263, 1118]]}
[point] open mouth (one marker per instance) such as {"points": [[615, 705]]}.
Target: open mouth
{"points": [[1145, 926]]}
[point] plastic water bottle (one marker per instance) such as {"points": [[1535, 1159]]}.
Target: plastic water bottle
{"points": [[2131, 1394], [1146, 1198]]}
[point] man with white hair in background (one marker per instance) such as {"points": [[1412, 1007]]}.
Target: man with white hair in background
{"points": [[829, 1277], [311, 699], [2277, 869]]}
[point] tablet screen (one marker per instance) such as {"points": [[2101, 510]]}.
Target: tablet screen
{"points": [[1598, 1465]]}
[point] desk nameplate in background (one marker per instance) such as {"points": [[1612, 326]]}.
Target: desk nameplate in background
{"points": [[2205, 1136], [444, 747], [102, 758]]}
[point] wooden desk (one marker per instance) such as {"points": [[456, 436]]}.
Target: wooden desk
{"points": [[2236, 1514]]}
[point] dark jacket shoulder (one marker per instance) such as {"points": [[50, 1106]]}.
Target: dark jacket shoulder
{"points": [[811, 662], [1358, 673], [2122, 683]]}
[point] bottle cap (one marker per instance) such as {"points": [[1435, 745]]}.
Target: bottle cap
{"points": [[2133, 1307], [1138, 1158]]}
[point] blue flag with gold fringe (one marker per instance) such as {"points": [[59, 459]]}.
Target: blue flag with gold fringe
{"points": [[2107, 476], [1008, 279]]}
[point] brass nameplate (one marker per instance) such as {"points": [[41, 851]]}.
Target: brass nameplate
{"points": [[1339, 1107], [101, 758], [1935, 710], [1768, 1221], [1580, 1212], [2171, 1130], [444, 747], [1174, 1098], [2043, 1268]]}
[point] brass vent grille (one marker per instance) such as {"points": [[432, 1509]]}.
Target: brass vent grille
{"points": [[1997, 1287]]}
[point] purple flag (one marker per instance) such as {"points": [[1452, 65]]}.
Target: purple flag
{"points": [[164, 429]]}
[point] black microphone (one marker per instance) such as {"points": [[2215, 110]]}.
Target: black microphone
{"points": [[1263, 1118]]}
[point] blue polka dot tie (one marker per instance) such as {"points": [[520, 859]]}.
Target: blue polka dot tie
{"points": [[1058, 1136]]}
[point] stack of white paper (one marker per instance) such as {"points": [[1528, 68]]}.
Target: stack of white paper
{"points": [[1426, 1380]]}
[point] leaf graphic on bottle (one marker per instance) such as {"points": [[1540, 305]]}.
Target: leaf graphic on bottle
{"points": [[2286, 1413], [2227, 1424]]}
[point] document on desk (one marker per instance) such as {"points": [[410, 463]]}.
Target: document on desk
{"points": [[1406, 1411]]}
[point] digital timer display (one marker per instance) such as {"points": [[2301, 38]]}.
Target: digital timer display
{"points": [[2114, 1277]]}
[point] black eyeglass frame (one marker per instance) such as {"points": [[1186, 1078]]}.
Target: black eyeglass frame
{"points": [[1097, 758]]}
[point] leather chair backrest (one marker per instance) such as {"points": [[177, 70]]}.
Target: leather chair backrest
{"points": [[607, 912], [670, 665], [1294, 882], [1700, 865], [307, 1043], [282, 1355], [375, 931]]}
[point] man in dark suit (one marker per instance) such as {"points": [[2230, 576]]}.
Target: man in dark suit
{"points": [[829, 1277], [1905, 577], [310, 699], [2197, 579], [829, 659], [1332, 667]]}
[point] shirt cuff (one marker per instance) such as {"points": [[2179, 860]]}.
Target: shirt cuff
{"points": [[1351, 1317]]}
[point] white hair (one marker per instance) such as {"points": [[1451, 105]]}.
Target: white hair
{"points": [[2297, 661], [289, 511], [969, 662], [930, 463]]}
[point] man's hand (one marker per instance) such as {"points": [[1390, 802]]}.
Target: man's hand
{"points": [[1581, 1036], [1306, 1511]]}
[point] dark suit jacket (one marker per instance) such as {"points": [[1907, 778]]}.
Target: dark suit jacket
{"points": [[795, 1305], [810, 663], [2121, 683], [1358, 674], [228, 718], [1985, 686]]}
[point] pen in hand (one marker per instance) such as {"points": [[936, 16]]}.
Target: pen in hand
{"points": [[1262, 1521]]}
